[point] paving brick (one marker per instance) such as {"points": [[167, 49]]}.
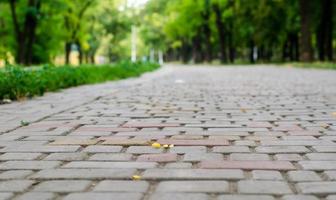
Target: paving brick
{"points": [[166, 157], [74, 141], [331, 175], [121, 186], [263, 187], [299, 197], [317, 187], [5, 195], [296, 142], [249, 156], [83, 173], [318, 165], [325, 149], [265, 165], [187, 149], [111, 157], [331, 197], [322, 156], [193, 174], [62, 186], [39, 149], [245, 197], [288, 157], [15, 185], [36, 196], [102, 149], [193, 186], [104, 196], [149, 125], [178, 165], [107, 165], [192, 157], [29, 165], [231, 149], [179, 196], [282, 149], [15, 174], [66, 156], [19, 156], [301, 176], [204, 142], [266, 175], [142, 150], [126, 142]]}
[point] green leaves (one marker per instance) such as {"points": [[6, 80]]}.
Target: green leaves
{"points": [[17, 82]]}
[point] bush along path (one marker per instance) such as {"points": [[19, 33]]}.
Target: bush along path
{"points": [[17, 82]]}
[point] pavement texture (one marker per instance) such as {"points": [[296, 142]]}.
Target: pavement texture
{"points": [[219, 133]]}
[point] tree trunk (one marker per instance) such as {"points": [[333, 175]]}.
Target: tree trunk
{"points": [[306, 49], [67, 52], [324, 32], [251, 55], [221, 33]]}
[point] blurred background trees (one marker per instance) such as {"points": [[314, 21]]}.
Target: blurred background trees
{"points": [[226, 31]]}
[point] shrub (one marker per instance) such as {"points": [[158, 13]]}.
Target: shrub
{"points": [[17, 82]]}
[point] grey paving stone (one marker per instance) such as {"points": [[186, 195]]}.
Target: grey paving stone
{"points": [[66, 156], [192, 157], [317, 187], [331, 175], [318, 165], [196, 174], [121, 186], [103, 164], [36, 196], [245, 197], [104, 196], [249, 156], [83, 173], [62, 186], [20, 156], [15, 185], [299, 197], [266, 175], [15, 174], [111, 157], [102, 149], [301, 176], [263, 187], [179, 196], [5, 195], [193, 186], [29, 165]]}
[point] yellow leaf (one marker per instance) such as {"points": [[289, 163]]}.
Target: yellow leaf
{"points": [[136, 177], [156, 145]]}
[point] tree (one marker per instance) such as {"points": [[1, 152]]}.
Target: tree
{"points": [[306, 49]]}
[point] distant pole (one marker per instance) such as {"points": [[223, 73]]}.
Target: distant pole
{"points": [[152, 55], [160, 57], [133, 43]]}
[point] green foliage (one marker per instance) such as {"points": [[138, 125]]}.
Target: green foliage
{"points": [[17, 82]]}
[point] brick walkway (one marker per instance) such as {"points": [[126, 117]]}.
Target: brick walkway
{"points": [[257, 133]]}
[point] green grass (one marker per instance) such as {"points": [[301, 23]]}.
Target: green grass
{"points": [[316, 65], [18, 83]]}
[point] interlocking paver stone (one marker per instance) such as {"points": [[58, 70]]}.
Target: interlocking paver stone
{"points": [[121, 186], [263, 187], [194, 186], [266, 165], [261, 133], [62, 186]]}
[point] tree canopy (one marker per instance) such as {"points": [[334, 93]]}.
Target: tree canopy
{"points": [[39, 31]]}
